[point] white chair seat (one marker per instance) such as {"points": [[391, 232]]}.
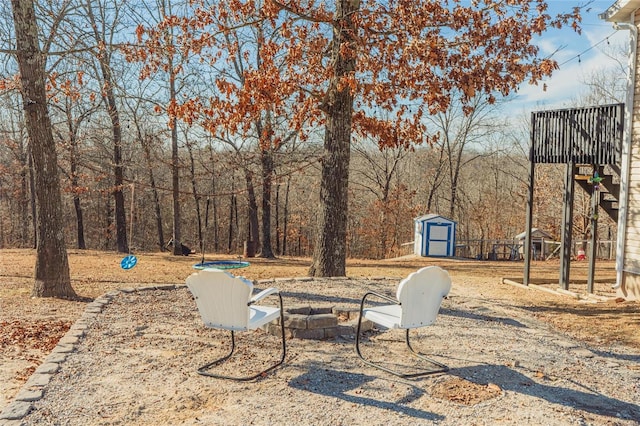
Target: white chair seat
{"points": [[387, 316], [261, 315]]}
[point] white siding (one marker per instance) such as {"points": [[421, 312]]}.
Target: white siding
{"points": [[631, 261]]}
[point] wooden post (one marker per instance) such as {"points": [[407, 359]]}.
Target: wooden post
{"points": [[567, 225], [595, 199], [527, 239]]}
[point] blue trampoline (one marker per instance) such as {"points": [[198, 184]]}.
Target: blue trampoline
{"points": [[221, 264]]}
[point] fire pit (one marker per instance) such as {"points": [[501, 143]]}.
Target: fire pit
{"points": [[306, 322]]}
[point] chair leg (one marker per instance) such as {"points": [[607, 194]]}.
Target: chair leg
{"points": [[441, 367], [203, 370]]}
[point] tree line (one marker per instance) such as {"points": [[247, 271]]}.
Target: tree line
{"points": [[303, 128]]}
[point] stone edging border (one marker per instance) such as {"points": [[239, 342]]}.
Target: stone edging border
{"points": [[33, 389]]}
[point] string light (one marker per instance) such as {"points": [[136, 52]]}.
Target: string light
{"points": [[578, 56]]}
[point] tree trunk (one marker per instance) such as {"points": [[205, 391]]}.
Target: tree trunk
{"points": [[196, 197], [232, 208], [214, 202], [80, 222], [277, 219], [52, 266], [252, 205], [118, 173], [286, 217], [175, 181], [230, 233], [73, 160], [24, 194], [266, 158], [32, 200], [330, 251], [146, 146]]}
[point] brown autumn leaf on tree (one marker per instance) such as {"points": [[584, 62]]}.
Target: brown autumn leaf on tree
{"points": [[360, 68]]}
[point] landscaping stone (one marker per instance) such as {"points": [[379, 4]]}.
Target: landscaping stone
{"points": [[47, 368], [63, 349], [10, 422], [68, 340], [30, 395], [332, 332], [315, 322], [56, 358], [38, 380], [296, 321], [316, 334], [325, 310], [76, 331], [301, 310], [166, 287], [16, 410]]}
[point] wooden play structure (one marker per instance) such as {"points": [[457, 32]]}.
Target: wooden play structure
{"points": [[588, 141]]}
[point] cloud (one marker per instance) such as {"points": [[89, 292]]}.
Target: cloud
{"points": [[577, 62]]}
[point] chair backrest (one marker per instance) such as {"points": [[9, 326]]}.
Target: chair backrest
{"points": [[421, 294], [222, 298]]}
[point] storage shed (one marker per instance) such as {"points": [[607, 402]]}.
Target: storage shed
{"points": [[434, 236]]}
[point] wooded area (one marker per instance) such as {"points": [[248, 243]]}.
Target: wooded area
{"points": [[206, 124]]}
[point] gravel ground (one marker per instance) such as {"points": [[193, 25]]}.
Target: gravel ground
{"points": [[136, 365]]}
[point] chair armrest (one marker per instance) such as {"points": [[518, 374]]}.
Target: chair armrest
{"points": [[381, 296], [264, 293]]}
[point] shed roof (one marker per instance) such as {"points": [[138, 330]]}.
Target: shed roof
{"points": [[535, 232], [431, 216], [620, 11]]}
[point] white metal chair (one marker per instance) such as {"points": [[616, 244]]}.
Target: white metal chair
{"points": [[225, 302], [418, 300]]}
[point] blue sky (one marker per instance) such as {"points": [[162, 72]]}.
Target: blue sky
{"points": [[578, 55]]}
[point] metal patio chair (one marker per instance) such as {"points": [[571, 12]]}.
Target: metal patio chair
{"points": [[417, 302], [226, 302]]}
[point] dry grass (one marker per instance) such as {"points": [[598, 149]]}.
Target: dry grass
{"points": [[94, 273]]}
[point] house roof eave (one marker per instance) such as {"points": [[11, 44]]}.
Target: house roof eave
{"points": [[620, 11]]}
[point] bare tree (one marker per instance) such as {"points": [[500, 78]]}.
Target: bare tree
{"points": [[104, 49], [459, 128], [376, 171]]}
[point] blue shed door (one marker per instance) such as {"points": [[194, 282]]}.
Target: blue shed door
{"points": [[438, 241]]}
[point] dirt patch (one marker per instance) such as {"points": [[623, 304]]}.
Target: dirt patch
{"points": [[465, 392]]}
